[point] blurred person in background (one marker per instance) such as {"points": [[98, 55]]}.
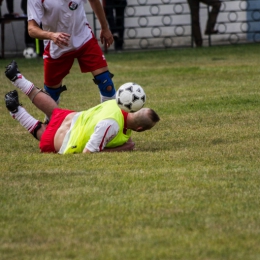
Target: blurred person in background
{"points": [[115, 13], [1, 1], [195, 19], [29, 42]]}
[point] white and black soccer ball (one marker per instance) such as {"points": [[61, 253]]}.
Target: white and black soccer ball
{"points": [[29, 53], [130, 97]]}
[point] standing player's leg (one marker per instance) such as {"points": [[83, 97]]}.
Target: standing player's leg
{"points": [[55, 70], [91, 59], [103, 78]]}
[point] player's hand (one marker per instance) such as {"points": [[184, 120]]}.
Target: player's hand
{"points": [[106, 37], [61, 39], [129, 146]]}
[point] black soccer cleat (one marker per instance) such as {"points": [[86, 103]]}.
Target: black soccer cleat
{"points": [[12, 71], [12, 101]]}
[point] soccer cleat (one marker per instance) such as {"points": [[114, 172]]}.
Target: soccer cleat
{"points": [[12, 101], [12, 71]]}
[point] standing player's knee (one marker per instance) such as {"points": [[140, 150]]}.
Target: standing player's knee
{"points": [[109, 88], [105, 84], [55, 92]]}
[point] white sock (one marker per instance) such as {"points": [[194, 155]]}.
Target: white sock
{"points": [[103, 98], [25, 119], [23, 84]]}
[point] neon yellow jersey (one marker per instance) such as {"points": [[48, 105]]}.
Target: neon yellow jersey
{"points": [[86, 122]]}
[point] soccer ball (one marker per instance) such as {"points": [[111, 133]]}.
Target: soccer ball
{"points": [[29, 53], [130, 97]]}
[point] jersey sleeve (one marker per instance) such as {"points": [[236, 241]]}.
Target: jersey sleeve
{"points": [[35, 11], [104, 132]]}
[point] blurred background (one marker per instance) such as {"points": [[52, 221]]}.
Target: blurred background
{"points": [[157, 24]]}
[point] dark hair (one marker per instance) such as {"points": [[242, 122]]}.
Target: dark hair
{"points": [[154, 116], [146, 118]]}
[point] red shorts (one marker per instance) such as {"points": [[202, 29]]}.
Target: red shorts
{"points": [[47, 140], [90, 58]]}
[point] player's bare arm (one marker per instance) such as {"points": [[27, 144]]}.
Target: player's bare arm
{"points": [[106, 36], [128, 146], [59, 38]]}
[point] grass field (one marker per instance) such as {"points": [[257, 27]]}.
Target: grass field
{"points": [[190, 190]]}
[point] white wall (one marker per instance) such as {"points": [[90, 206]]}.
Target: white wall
{"points": [[174, 12]]}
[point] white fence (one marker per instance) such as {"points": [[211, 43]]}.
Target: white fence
{"points": [[153, 24]]}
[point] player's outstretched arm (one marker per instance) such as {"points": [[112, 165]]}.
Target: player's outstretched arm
{"points": [[128, 146]]}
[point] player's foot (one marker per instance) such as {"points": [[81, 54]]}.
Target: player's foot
{"points": [[12, 101], [12, 71], [208, 32], [115, 36]]}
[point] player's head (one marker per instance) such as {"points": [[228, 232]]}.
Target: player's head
{"points": [[144, 119]]}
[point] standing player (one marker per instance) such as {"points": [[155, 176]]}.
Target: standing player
{"points": [[68, 36]]}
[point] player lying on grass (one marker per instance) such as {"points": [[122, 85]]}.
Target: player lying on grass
{"points": [[104, 127]]}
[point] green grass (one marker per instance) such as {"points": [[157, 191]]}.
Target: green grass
{"points": [[190, 190]]}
